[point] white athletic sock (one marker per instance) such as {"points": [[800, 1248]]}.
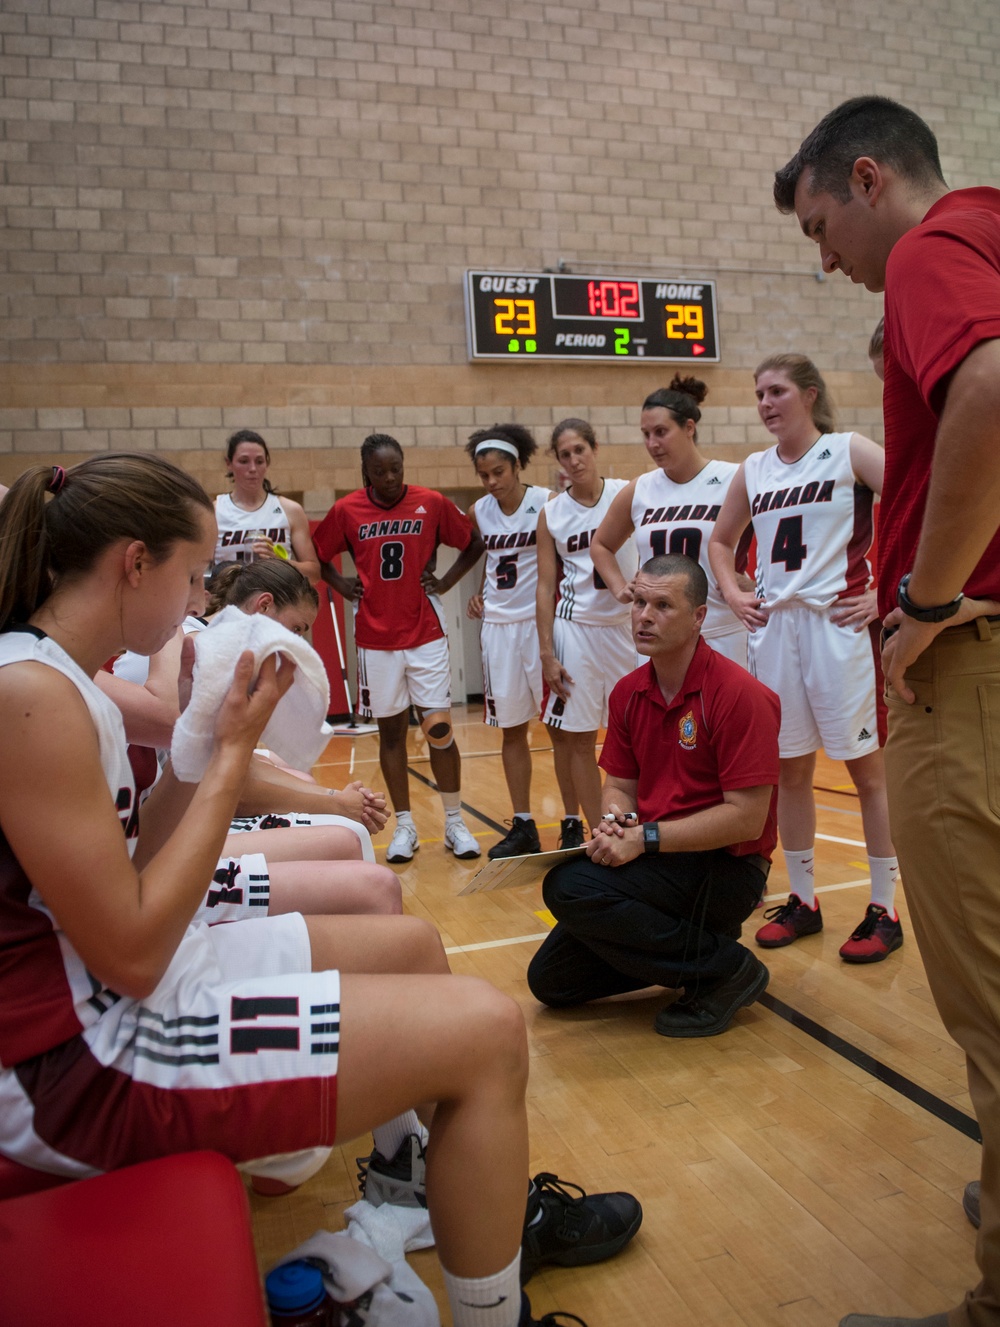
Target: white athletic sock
{"points": [[389, 1136], [522, 815], [800, 864], [885, 871], [486, 1301], [405, 818], [452, 803]]}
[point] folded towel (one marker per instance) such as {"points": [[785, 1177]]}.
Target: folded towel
{"points": [[295, 728], [384, 1291]]}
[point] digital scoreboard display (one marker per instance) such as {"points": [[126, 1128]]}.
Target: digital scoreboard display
{"points": [[549, 315]]}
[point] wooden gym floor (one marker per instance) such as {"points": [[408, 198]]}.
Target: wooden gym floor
{"points": [[807, 1163]]}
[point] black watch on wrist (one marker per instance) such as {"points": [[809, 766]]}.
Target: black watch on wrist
{"points": [[651, 837], [938, 613]]}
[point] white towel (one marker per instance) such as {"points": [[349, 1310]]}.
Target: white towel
{"points": [[295, 728], [384, 1290]]}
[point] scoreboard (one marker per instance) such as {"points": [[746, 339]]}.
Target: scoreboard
{"points": [[548, 315]]}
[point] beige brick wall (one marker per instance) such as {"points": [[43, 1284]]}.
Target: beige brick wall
{"points": [[236, 213]]}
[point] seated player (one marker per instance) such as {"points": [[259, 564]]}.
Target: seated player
{"points": [[310, 1030], [681, 857], [392, 531]]}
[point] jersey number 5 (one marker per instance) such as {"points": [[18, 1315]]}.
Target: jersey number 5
{"points": [[788, 546], [507, 573], [392, 561]]}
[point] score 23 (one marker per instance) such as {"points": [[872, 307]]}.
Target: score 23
{"points": [[514, 317]]}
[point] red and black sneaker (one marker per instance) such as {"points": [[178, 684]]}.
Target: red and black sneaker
{"points": [[787, 922], [875, 939]]}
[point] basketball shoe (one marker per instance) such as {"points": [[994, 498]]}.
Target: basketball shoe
{"points": [[521, 838], [875, 939], [787, 922], [571, 832]]}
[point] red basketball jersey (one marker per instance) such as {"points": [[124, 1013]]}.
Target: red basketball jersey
{"points": [[391, 546]]}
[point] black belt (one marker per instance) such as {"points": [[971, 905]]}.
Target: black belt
{"points": [[761, 863]]}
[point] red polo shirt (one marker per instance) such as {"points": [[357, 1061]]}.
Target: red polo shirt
{"points": [[719, 733], [942, 298]]}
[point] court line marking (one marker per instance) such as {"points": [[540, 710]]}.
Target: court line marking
{"points": [[906, 1087], [497, 944]]}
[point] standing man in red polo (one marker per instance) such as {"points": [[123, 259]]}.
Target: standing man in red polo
{"points": [[867, 186], [681, 857]]}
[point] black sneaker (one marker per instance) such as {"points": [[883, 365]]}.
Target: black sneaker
{"points": [[521, 838], [571, 832], [398, 1180], [708, 1015], [554, 1319], [574, 1230]]}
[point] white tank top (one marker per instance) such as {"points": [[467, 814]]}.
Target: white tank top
{"points": [[511, 556], [235, 525], [26, 645], [813, 523], [583, 596], [680, 518]]}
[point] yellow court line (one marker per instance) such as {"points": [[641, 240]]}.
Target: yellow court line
{"points": [[545, 916]]}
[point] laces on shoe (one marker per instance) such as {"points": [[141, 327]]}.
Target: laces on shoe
{"points": [[783, 912], [873, 915], [573, 1216], [362, 1164]]}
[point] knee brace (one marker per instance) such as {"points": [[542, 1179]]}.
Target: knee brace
{"points": [[437, 729]]}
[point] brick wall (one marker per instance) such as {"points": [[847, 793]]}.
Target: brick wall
{"points": [[238, 212]]}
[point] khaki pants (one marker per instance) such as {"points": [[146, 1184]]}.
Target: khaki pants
{"points": [[943, 768]]}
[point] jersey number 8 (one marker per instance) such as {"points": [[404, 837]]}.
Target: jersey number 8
{"points": [[392, 561]]}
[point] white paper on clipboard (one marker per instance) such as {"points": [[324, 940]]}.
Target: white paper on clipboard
{"points": [[506, 872]]}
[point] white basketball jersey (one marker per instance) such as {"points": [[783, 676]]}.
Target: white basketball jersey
{"points": [[680, 518], [236, 527], [583, 596], [813, 523], [27, 645], [511, 556]]}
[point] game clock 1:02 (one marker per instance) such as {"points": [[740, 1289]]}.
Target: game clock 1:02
{"points": [[549, 315]]}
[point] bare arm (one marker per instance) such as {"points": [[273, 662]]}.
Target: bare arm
{"points": [[465, 561], [555, 675], [734, 518], [867, 462], [963, 500], [348, 587], [149, 721], [267, 789], [738, 818], [474, 608], [125, 925], [611, 534], [304, 555]]}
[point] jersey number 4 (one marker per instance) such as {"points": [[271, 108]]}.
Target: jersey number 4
{"points": [[788, 546], [392, 561]]}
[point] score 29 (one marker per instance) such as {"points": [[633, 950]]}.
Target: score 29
{"points": [[682, 316], [514, 317]]}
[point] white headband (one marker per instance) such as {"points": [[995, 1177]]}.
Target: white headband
{"points": [[497, 445]]}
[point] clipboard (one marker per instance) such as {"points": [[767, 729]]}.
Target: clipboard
{"points": [[506, 872]]}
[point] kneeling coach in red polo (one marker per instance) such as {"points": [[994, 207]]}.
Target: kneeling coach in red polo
{"points": [[681, 857]]}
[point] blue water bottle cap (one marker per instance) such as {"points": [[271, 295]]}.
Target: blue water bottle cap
{"points": [[294, 1287]]}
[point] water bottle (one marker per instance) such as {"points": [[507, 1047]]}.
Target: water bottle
{"points": [[296, 1297]]}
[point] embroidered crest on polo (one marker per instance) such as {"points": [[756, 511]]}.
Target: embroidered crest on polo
{"points": [[687, 730]]}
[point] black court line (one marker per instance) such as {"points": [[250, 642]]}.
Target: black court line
{"points": [[920, 1096], [906, 1087], [472, 810]]}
